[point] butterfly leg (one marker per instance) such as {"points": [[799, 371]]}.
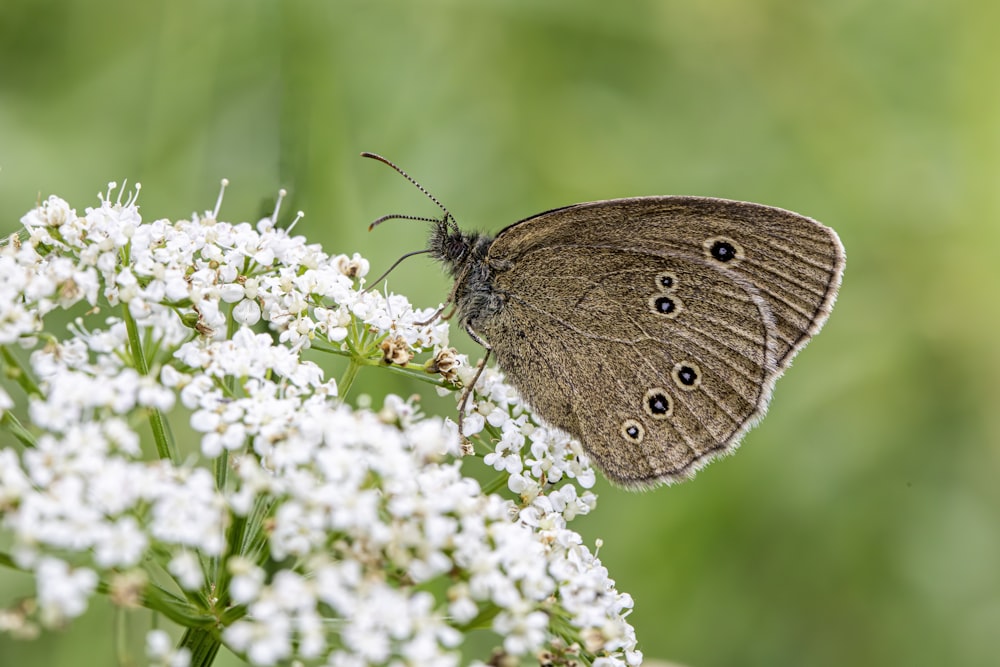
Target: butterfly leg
{"points": [[474, 336], [466, 393]]}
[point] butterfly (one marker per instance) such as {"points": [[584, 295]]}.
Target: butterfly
{"points": [[651, 329]]}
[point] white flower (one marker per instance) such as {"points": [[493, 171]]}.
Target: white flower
{"points": [[247, 312], [119, 544], [349, 536], [185, 567], [161, 653], [264, 643], [522, 633], [53, 212], [158, 644], [248, 579], [187, 510], [62, 592]]}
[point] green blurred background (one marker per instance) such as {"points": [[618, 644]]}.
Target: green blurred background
{"points": [[860, 523]]}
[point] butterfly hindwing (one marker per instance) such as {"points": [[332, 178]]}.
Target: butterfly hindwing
{"points": [[640, 367]]}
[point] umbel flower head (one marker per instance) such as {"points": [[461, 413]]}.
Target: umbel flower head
{"points": [[173, 449]]}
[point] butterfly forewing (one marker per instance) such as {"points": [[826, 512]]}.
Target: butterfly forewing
{"points": [[794, 262]]}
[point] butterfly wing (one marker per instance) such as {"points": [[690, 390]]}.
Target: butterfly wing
{"points": [[662, 321]]}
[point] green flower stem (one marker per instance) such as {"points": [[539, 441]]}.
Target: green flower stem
{"points": [[420, 373], [231, 324], [12, 424], [121, 636], [415, 371], [156, 421], [154, 597], [216, 564], [483, 619], [235, 538], [344, 385], [233, 614], [17, 372], [177, 609], [497, 483], [203, 643], [254, 544], [561, 627], [221, 466]]}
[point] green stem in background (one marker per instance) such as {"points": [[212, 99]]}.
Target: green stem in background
{"points": [[221, 469], [562, 628], [216, 563], [121, 636], [482, 620], [12, 424], [235, 539], [160, 600], [156, 421], [203, 644], [231, 324], [255, 536], [359, 353], [497, 483], [17, 372], [347, 379]]}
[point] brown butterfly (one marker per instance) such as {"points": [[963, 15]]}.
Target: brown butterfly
{"points": [[652, 329]]}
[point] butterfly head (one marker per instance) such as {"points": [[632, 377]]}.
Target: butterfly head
{"points": [[455, 248]]}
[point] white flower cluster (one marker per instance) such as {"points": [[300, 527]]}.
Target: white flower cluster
{"points": [[294, 527]]}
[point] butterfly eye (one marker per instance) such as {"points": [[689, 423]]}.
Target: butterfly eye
{"points": [[632, 430], [687, 375], [669, 306], [723, 249], [657, 404]]}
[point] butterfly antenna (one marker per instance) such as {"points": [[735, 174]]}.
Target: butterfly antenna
{"points": [[448, 219], [394, 265], [399, 216]]}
